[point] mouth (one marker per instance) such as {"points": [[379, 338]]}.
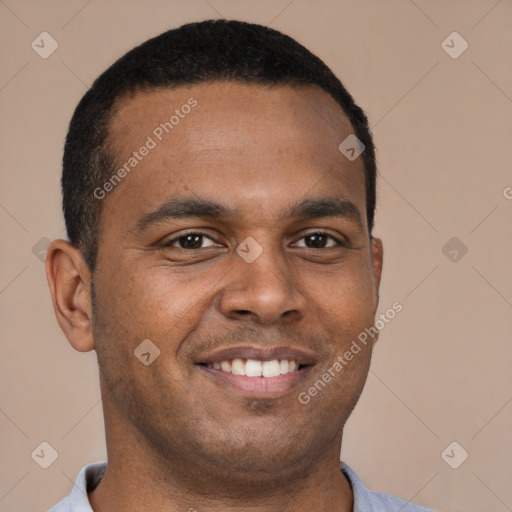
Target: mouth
{"points": [[257, 372], [255, 368]]}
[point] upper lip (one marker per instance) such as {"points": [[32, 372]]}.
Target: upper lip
{"points": [[300, 356]]}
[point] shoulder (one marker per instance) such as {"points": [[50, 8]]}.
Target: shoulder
{"points": [[388, 503], [87, 479], [370, 501]]}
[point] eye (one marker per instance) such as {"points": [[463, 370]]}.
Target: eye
{"points": [[196, 240], [318, 240], [193, 240]]}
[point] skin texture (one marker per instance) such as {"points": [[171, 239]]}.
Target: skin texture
{"points": [[176, 438]]}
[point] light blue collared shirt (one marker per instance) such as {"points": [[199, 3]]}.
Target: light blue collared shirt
{"points": [[364, 499]]}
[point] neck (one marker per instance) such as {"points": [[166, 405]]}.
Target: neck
{"points": [[138, 479]]}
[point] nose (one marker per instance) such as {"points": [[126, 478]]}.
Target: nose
{"points": [[264, 291]]}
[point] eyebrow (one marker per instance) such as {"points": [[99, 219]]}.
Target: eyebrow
{"points": [[191, 207]]}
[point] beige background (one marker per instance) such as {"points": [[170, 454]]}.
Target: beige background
{"points": [[442, 368]]}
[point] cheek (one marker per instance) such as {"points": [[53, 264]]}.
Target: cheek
{"points": [[168, 303], [345, 299]]}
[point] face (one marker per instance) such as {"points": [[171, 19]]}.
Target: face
{"points": [[241, 234]]}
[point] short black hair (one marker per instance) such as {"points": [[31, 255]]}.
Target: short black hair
{"points": [[202, 52]]}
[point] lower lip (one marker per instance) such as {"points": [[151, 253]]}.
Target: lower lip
{"points": [[259, 386]]}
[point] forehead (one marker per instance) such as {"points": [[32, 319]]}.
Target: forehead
{"points": [[243, 142], [231, 113]]}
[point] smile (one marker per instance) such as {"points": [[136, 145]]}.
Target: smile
{"points": [[256, 368]]}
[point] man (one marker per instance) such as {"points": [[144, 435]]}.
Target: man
{"points": [[219, 194]]}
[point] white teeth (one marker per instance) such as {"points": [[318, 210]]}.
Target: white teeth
{"points": [[226, 366], [271, 368], [238, 367], [255, 368]]}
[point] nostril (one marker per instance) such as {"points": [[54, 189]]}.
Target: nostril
{"points": [[244, 311]]}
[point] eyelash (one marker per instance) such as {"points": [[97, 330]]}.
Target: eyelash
{"points": [[170, 243]]}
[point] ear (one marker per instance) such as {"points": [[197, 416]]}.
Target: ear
{"points": [[377, 251], [69, 280]]}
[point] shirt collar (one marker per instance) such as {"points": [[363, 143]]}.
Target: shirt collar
{"points": [[90, 476]]}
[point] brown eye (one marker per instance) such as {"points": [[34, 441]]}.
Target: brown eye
{"points": [[189, 241], [318, 240]]}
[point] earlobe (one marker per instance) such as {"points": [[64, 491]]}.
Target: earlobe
{"points": [[69, 281]]}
